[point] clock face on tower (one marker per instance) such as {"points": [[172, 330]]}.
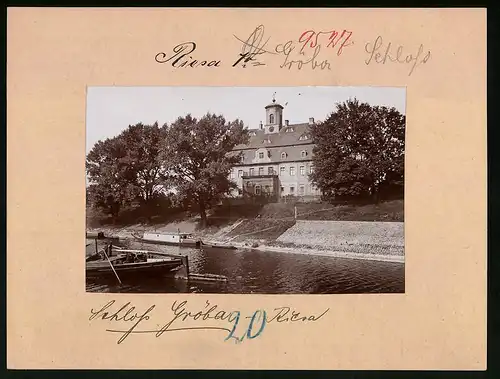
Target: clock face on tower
{"points": [[271, 129]]}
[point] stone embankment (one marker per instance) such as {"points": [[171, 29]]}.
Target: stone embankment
{"points": [[386, 238], [382, 241], [351, 239]]}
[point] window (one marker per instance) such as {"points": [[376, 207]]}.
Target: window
{"points": [[251, 171], [240, 173], [282, 189], [282, 170], [311, 169], [292, 189], [267, 189], [257, 190], [303, 154], [271, 119], [304, 137], [302, 170], [301, 190], [261, 170], [289, 130], [292, 170], [261, 155], [283, 155], [270, 171], [232, 175]]}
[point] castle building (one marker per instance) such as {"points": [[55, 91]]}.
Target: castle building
{"points": [[277, 160]]}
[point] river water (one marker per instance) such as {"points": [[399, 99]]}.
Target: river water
{"points": [[250, 271]]}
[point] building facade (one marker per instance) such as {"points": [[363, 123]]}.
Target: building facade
{"points": [[277, 160]]}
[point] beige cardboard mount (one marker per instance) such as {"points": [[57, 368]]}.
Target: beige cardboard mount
{"points": [[440, 321]]}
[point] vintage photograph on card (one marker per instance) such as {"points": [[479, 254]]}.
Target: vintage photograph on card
{"points": [[269, 190]]}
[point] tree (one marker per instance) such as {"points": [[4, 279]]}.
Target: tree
{"points": [[109, 177], [127, 168], [199, 155], [150, 173], [358, 149]]}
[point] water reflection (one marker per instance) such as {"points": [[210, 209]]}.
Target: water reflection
{"points": [[268, 273]]}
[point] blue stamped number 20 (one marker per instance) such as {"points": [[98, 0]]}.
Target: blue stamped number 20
{"points": [[260, 314]]}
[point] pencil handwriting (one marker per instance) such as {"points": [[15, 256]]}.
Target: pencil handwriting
{"points": [[381, 53], [253, 48], [300, 53], [211, 317]]}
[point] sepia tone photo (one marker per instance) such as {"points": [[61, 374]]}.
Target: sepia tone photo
{"points": [[270, 190]]}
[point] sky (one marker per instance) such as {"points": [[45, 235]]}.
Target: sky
{"points": [[110, 110]]}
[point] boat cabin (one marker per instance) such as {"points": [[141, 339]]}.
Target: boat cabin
{"points": [[169, 237]]}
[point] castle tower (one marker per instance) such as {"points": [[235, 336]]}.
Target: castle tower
{"points": [[274, 117]]}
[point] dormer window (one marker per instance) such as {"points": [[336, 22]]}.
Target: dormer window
{"points": [[253, 134], [303, 153], [283, 155], [271, 119], [267, 140], [289, 130], [304, 137]]}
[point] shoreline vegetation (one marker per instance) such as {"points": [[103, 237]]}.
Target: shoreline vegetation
{"points": [[368, 232]]}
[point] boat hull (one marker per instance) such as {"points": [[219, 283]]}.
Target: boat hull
{"points": [[158, 268], [227, 247], [195, 244]]}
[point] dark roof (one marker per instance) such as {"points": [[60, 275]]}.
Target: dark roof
{"points": [[274, 105], [282, 138], [293, 154]]}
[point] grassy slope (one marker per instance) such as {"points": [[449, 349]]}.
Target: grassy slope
{"points": [[272, 220], [386, 211], [260, 229]]}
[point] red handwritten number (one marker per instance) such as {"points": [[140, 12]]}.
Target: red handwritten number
{"points": [[310, 34], [332, 37], [344, 44], [335, 38]]}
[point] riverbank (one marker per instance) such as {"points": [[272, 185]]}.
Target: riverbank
{"points": [[371, 232], [378, 241]]}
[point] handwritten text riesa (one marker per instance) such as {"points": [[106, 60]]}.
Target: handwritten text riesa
{"points": [[182, 57], [236, 326]]}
